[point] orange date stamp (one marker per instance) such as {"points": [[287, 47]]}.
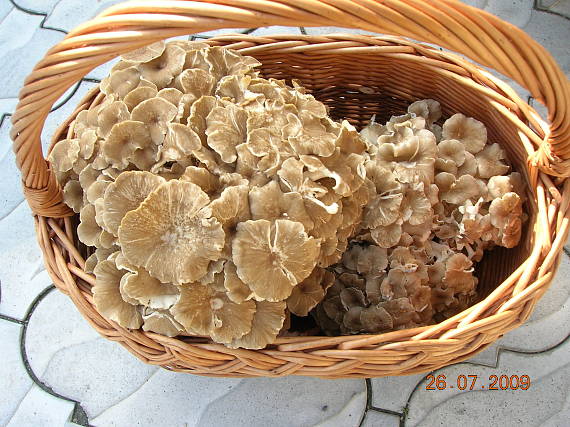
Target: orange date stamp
{"points": [[476, 382]]}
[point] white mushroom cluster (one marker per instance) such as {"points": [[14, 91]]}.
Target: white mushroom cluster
{"points": [[214, 198], [439, 197]]}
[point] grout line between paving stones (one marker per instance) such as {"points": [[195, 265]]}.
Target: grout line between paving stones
{"points": [[37, 13], [78, 415], [546, 9], [11, 319]]}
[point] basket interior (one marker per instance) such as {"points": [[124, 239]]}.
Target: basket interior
{"points": [[356, 86]]}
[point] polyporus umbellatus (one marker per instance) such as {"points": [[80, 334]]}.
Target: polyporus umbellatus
{"points": [[214, 198], [439, 197]]}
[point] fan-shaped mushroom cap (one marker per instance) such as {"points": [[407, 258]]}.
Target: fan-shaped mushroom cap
{"points": [[376, 319], [146, 53], [307, 135], [203, 178], [429, 109], [196, 82], [307, 294], [148, 291], [73, 195], [451, 155], [236, 290], [224, 62], [170, 235], [161, 322], [155, 113], [231, 207], [107, 297], [138, 95], [204, 311], [506, 215], [457, 190], [179, 143], [63, 155], [459, 273], [269, 202], [267, 322], [472, 133], [489, 161], [236, 89], [121, 82], [124, 140], [388, 236], [87, 144], [110, 115], [88, 230], [162, 69], [416, 207], [411, 159], [500, 185], [271, 258], [226, 128]]}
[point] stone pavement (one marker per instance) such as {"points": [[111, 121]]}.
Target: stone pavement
{"points": [[55, 370]]}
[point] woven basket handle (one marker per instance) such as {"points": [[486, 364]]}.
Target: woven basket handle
{"points": [[476, 34]]}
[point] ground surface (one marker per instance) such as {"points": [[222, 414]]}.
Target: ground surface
{"points": [[55, 370]]}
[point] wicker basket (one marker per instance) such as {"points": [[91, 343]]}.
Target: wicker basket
{"points": [[355, 76]]}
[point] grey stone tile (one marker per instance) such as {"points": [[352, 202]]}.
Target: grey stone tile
{"points": [[69, 356], [14, 381], [380, 419]]}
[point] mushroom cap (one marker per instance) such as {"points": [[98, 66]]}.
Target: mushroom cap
{"points": [[236, 290], [231, 207], [88, 231], [73, 195], [155, 113], [161, 322], [179, 143], [388, 236], [269, 202], [125, 194], [429, 109], [224, 62], [121, 82], [162, 69], [124, 140], [307, 294], [416, 207], [204, 311], [267, 322], [148, 291], [146, 53], [226, 128], [63, 155], [110, 115], [457, 190], [307, 135], [472, 133], [272, 257], [138, 95], [489, 161], [170, 235], [107, 297], [203, 178]]}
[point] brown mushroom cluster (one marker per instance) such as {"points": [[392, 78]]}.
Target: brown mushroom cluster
{"points": [[439, 197], [213, 199]]}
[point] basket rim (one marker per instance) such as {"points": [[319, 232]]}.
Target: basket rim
{"points": [[472, 331]]}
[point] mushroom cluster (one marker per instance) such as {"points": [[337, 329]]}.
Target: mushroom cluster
{"points": [[438, 198], [214, 199]]}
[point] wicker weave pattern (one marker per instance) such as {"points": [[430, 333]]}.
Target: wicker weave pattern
{"points": [[341, 70]]}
